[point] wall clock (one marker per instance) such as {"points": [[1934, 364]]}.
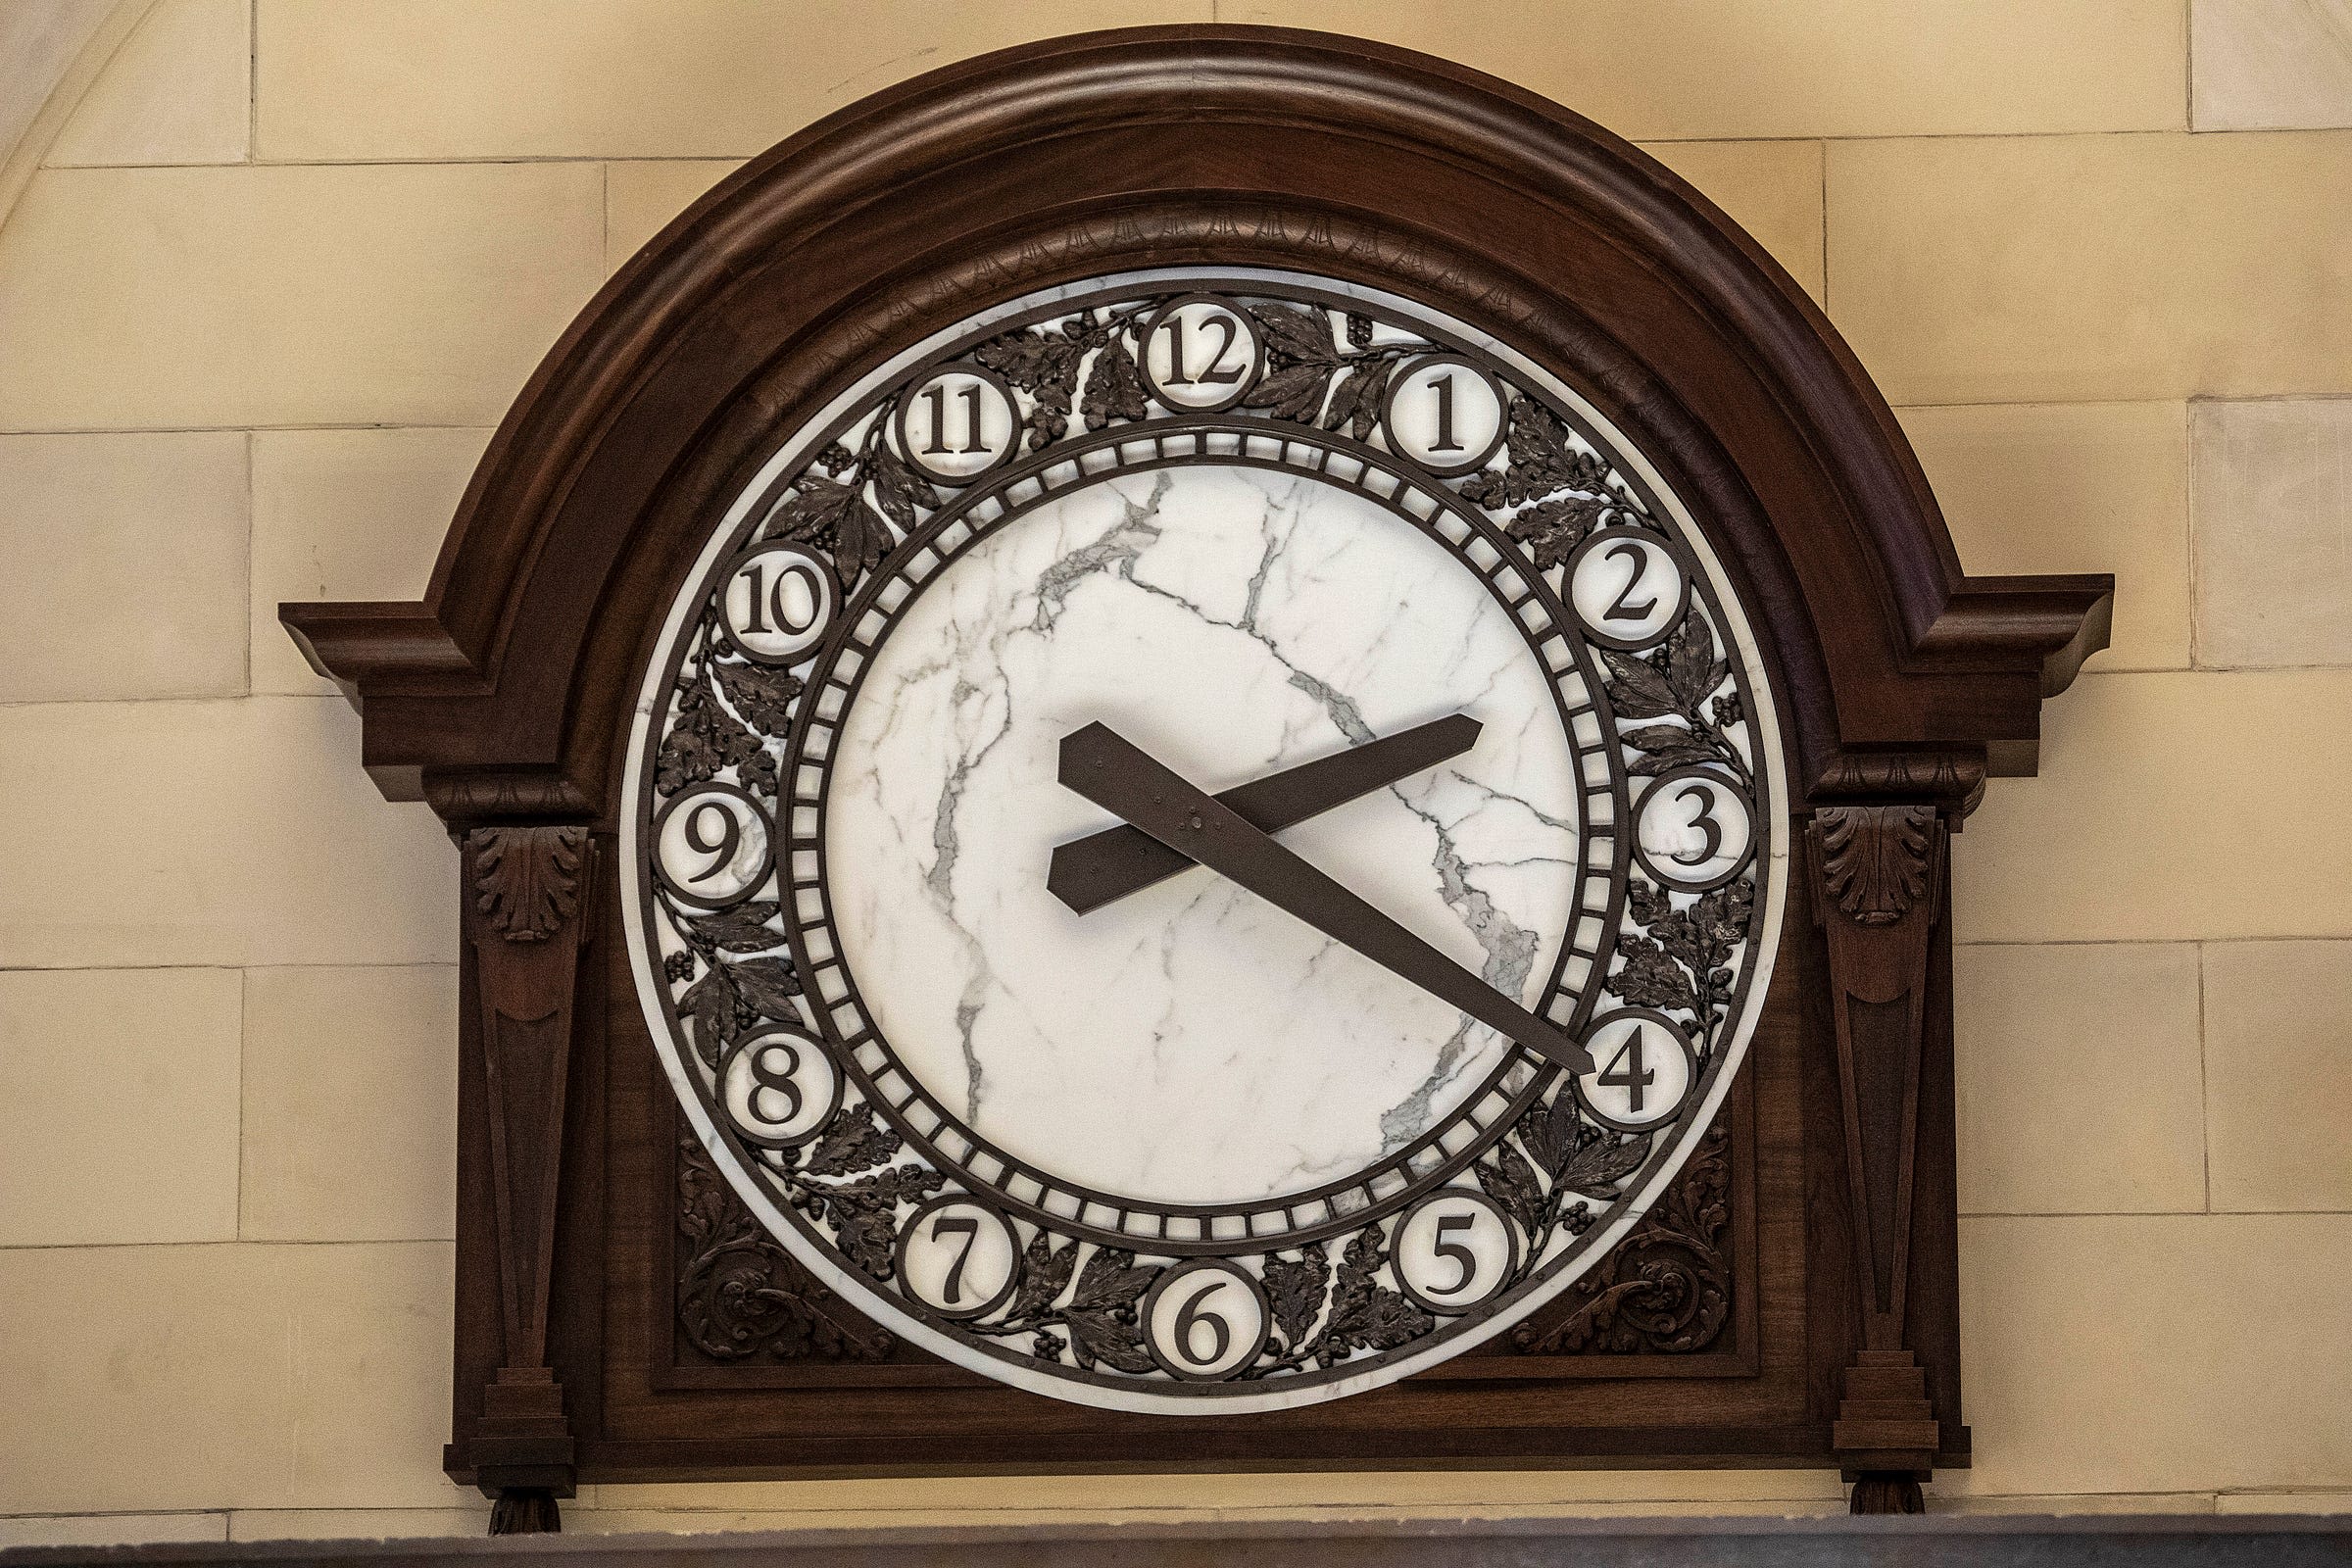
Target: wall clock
{"points": [[1260, 789], [1204, 840]]}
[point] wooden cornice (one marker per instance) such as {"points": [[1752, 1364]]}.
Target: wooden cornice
{"points": [[869, 230]]}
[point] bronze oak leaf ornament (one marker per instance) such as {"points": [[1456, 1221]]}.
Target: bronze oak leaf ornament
{"points": [[831, 515], [1102, 1315]]}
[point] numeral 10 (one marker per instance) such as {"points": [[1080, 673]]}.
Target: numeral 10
{"points": [[767, 600]]}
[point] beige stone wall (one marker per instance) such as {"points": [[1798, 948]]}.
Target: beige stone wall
{"points": [[290, 259]]}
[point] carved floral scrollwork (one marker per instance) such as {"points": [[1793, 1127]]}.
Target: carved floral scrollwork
{"points": [[741, 1294], [1873, 859], [1667, 1288], [526, 880]]}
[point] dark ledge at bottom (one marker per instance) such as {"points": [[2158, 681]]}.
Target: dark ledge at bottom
{"points": [[1914, 1542]]}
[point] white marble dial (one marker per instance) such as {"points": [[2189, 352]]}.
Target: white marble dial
{"points": [[1191, 1043]]}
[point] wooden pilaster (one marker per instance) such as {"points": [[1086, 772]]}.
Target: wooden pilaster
{"points": [[526, 889], [1879, 890]]}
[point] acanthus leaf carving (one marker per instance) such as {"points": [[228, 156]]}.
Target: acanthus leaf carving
{"points": [[526, 880], [1873, 859]]}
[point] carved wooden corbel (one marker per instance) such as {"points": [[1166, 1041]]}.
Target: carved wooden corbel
{"points": [[1879, 893], [527, 888]]}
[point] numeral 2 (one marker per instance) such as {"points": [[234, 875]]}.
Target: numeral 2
{"points": [[1624, 608]]}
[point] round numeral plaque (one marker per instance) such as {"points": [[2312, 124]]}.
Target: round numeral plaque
{"points": [[1625, 588], [1205, 1320], [958, 1258], [1456, 1250], [779, 1088], [1446, 413], [1692, 829], [712, 846], [960, 423], [1200, 354], [1642, 1069], [779, 601]]}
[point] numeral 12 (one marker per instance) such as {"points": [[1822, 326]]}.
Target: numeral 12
{"points": [[1212, 376]]}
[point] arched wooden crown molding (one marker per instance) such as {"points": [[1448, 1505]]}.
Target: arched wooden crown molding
{"points": [[504, 691]]}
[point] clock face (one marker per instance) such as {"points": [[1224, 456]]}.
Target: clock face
{"points": [[1203, 841]]}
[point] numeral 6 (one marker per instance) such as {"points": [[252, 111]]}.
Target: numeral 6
{"points": [[1205, 1320]]}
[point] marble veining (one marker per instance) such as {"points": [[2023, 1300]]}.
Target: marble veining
{"points": [[1191, 1043]]}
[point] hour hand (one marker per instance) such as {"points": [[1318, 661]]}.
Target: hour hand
{"points": [[1114, 773]]}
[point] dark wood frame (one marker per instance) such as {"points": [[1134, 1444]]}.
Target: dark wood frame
{"points": [[502, 699]]}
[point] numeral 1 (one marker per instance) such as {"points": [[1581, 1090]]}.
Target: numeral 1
{"points": [[1442, 387]]}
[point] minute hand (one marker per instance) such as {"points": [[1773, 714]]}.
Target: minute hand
{"points": [[1114, 773]]}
